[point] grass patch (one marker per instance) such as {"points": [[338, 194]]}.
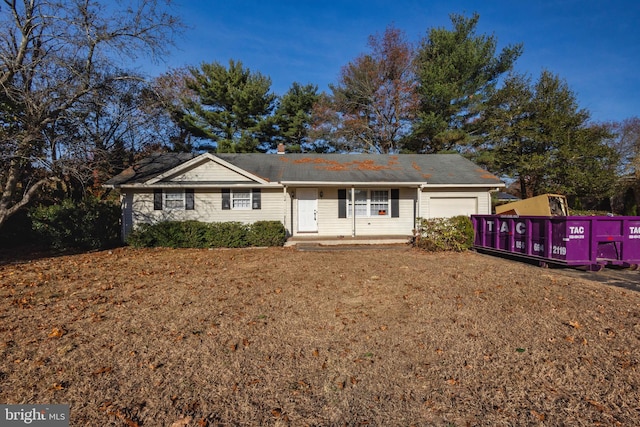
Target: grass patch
{"points": [[280, 337]]}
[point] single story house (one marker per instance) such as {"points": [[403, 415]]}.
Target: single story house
{"points": [[324, 195]]}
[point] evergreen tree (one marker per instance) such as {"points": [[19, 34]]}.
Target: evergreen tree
{"points": [[457, 72], [232, 108], [293, 117], [537, 135]]}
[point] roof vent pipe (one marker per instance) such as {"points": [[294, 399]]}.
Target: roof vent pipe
{"points": [[281, 148]]}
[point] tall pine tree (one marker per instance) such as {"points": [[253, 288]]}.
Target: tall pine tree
{"points": [[457, 71], [232, 108], [537, 135]]}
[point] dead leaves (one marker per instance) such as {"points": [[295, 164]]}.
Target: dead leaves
{"points": [[537, 415], [280, 416], [234, 346], [57, 332], [575, 324], [122, 414], [103, 370], [183, 422]]}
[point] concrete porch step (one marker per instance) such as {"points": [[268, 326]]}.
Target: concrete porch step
{"points": [[346, 240]]}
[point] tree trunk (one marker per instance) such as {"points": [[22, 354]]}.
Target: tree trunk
{"points": [[7, 208]]}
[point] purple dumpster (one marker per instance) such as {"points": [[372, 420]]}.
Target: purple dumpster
{"points": [[576, 241]]}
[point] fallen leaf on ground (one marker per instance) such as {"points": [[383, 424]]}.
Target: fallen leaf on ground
{"points": [[182, 422], [575, 324], [56, 332]]}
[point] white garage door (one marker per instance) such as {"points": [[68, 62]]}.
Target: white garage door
{"points": [[446, 207]]}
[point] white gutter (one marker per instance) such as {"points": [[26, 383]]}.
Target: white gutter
{"points": [[196, 185], [351, 184], [462, 185]]}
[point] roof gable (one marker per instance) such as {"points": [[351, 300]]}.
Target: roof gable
{"points": [[206, 168]]}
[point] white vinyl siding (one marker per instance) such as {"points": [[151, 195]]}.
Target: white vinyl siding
{"points": [[138, 208], [208, 171]]}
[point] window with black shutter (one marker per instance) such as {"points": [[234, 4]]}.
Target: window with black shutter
{"points": [[395, 203], [342, 203], [157, 199], [226, 199], [256, 202], [189, 201], [369, 203]]}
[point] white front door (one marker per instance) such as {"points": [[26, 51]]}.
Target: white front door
{"points": [[307, 209]]}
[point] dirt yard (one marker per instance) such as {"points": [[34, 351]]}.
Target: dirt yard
{"points": [[284, 337]]}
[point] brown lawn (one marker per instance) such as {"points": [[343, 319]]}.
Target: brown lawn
{"points": [[281, 337]]}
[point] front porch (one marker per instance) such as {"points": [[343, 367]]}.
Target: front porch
{"points": [[315, 240]]}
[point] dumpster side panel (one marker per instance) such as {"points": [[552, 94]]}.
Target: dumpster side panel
{"points": [[538, 235], [631, 240], [578, 242], [570, 240]]}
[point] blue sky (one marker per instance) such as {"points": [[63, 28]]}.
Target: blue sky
{"points": [[594, 45]]}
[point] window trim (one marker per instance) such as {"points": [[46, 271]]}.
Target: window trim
{"points": [[350, 205], [172, 195], [185, 195], [234, 199], [228, 198]]}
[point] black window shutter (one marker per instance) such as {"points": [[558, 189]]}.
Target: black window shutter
{"points": [[256, 202], [342, 203], [157, 200], [226, 199], [189, 199], [395, 203]]}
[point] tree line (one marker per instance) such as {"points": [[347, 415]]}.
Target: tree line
{"points": [[73, 114]]}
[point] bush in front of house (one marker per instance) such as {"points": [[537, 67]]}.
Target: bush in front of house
{"points": [[86, 224], [196, 234], [267, 233], [445, 234], [173, 234], [227, 235]]}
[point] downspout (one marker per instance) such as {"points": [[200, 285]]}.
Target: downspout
{"points": [[353, 211]]}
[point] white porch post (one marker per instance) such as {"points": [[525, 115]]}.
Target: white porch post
{"points": [[417, 213], [353, 211], [284, 208]]}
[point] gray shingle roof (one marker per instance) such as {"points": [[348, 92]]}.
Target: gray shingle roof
{"points": [[451, 169], [150, 167]]}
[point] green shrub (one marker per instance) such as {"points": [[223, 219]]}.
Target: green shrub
{"points": [[445, 234], [88, 224], [267, 233], [195, 234], [170, 234], [227, 235]]}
